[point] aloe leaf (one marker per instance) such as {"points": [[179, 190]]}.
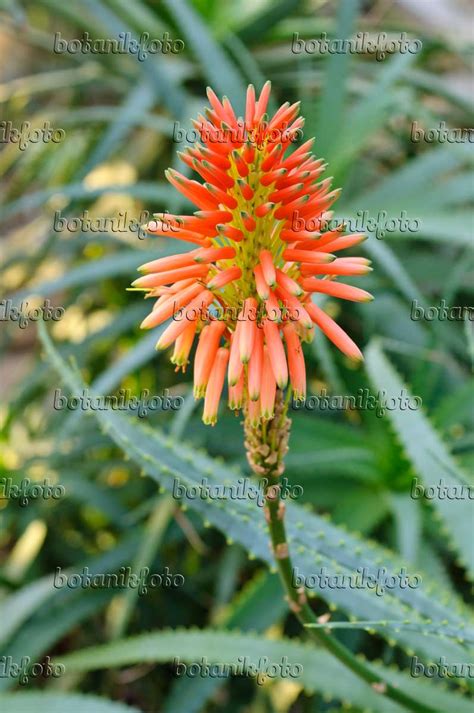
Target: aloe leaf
{"points": [[429, 456], [400, 190], [369, 115], [52, 80], [318, 670], [139, 15], [152, 538], [60, 702], [255, 27], [257, 606], [331, 105], [152, 67], [121, 263], [16, 608], [147, 191], [139, 100], [61, 617], [220, 71]]}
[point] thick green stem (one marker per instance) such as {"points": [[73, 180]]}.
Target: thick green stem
{"points": [[265, 451]]}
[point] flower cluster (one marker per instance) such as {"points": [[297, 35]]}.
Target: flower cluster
{"points": [[249, 264]]}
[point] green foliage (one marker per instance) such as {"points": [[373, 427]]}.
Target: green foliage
{"points": [[357, 467]]}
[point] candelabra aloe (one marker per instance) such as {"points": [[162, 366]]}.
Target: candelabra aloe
{"points": [[263, 247]]}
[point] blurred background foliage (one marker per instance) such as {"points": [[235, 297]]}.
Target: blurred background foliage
{"points": [[355, 467]]}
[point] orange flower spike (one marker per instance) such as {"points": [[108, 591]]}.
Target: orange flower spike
{"points": [[210, 173], [211, 217], [345, 241], [307, 256], [216, 104], [268, 268], [276, 352], [253, 412], [248, 221], [262, 287], [295, 310], [221, 196], [354, 261], [215, 158], [212, 254], [235, 365], [236, 394], [269, 178], [248, 328], [291, 133], [165, 278], [179, 235], [297, 157], [296, 364], [288, 284], [268, 388], [240, 164], [334, 332], [246, 190], [169, 263], [205, 353], [250, 107], [264, 209], [253, 252], [192, 190], [336, 268], [309, 246], [255, 366], [215, 386], [284, 116], [224, 278], [183, 345], [194, 309], [261, 107], [248, 153], [168, 307], [336, 289], [177, 286], [272, 158], [216, 175], [230, 114], [286, 194], [288, 235], [230, 232], [272, 308]]}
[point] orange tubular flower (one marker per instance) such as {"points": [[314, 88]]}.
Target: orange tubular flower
{"points": [[245, 288]]}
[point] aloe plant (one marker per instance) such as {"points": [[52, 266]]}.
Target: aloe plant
{"points": [[364, 475]]}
